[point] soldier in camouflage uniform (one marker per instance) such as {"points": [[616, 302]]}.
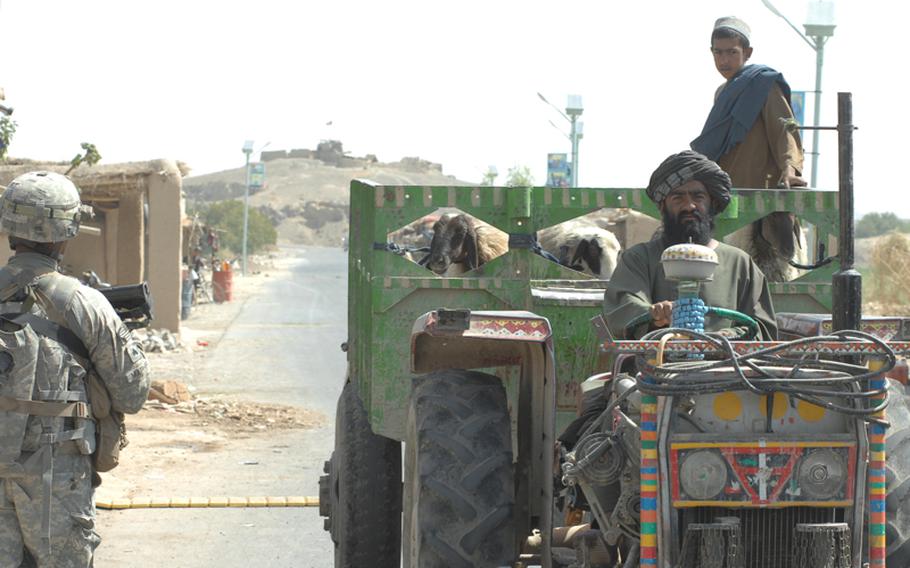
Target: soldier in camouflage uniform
{"points": [[40, 211]]}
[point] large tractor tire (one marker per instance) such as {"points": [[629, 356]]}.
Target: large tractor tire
{"points": [[897, 471], [459, 484], [363, 488]]}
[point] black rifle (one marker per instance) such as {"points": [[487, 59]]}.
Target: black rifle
{"points": [[132, 302]]}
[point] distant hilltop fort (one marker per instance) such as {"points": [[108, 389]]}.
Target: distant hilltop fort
{"points": [[331, 152]]}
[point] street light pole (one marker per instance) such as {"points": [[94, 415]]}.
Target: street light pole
{"points": [[247, 149], [574, 109], [816, 119], [573, 135]]}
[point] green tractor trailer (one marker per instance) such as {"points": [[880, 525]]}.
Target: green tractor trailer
{"points": [[703, 453]]}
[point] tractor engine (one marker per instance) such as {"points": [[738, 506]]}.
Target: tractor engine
{"points": [[747, 477]]}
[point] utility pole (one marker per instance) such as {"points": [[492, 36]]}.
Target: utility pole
{"points": [[574, 109], [819, 40], [247, 149]]}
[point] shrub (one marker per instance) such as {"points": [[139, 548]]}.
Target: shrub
{"points": [[227, 216], [875, 224], [890, 282]]}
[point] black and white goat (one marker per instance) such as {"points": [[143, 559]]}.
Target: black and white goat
{"points": [[582, 246]]}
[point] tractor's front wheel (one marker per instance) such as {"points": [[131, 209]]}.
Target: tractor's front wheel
{"points": [[361, 492], [459, 485]]}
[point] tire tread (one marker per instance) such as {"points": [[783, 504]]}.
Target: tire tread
{"points": [[368, 528], [464, 464]]}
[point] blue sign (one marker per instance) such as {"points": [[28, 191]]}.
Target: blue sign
{"points": [[798, 104], [558, 170], [257, 175]]}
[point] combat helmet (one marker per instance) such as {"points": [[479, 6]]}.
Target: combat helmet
{"points": [[43, 207]]}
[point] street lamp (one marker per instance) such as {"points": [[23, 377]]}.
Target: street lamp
{"points": [[574, 109], [819, 26], [579, 134], [490, 176], [247, 149]]}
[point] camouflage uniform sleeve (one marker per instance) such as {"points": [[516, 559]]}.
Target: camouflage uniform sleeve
{"points": [[115, 353]]}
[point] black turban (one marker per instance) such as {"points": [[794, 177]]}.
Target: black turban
{"points": [[685, 167]]}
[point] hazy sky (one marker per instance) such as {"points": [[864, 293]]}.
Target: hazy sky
{"points": [[452, 82]]}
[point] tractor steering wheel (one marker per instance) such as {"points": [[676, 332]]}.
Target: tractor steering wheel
{"points": [[732, 315]]}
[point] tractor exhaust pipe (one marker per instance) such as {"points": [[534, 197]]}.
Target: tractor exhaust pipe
{"points": [[847, 282]]}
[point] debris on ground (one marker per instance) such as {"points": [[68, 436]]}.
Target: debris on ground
{"points": [[169, 392], [157, 340], [240, 416], [256, 417]]}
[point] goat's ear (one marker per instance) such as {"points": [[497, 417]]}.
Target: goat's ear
{"points": [[797, 232], [470, 250], [581, 253], [780, 232], [595, 251], [762, 228]]}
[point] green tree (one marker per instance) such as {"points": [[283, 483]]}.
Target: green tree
{"points": [[875, 224], [228, 217], [519, 176], [7, 130], [90, 158]]}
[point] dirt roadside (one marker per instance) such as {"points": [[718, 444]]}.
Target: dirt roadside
{"points": [[168, 444]]}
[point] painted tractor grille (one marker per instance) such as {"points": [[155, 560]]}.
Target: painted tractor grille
{"points": [[767, 534]]}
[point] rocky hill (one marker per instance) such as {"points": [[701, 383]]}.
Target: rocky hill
{"points": [[307, 197]]}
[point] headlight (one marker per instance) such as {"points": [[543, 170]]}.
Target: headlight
{"points": [[703, 474], [821, 474]]}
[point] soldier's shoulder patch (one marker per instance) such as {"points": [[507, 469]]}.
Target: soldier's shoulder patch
{"points": [[134, 350]]}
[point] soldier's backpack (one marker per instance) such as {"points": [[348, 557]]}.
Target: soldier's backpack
{"points": [[108, 432], [109, 428]]}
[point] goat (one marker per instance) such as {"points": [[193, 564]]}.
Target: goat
{"points": [[464, 240], [416, 234], [583, 246], [772, 242]]}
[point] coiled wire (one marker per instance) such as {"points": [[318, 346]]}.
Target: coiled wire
{"points": [[770, 371]]}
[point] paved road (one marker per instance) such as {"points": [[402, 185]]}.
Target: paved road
{"points": [[283, 347]]}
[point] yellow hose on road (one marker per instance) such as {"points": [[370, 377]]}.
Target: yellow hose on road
{"points": [[206, 502]]}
